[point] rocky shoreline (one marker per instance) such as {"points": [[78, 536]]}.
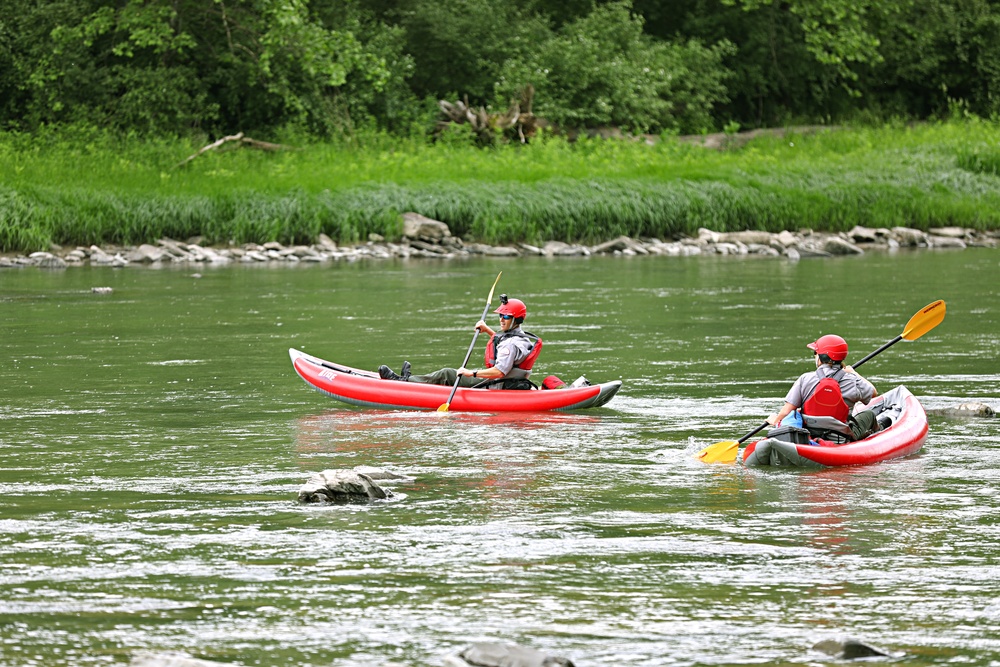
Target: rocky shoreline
{"points": [[426, 238]]}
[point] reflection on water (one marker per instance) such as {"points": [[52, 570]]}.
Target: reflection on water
{"points": [[152, 444]]}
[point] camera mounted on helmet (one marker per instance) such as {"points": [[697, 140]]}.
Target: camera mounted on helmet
{"points": [[512, 307]]}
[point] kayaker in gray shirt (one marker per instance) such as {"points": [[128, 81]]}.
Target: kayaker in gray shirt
{"points": [[510, 353], [831, 391]]}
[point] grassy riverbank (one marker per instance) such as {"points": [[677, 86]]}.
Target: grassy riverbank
{"points": [[73, 190]]}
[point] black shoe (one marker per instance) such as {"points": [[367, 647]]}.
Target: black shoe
{"points": [[406, 371], [884, 423], [386, 373]]}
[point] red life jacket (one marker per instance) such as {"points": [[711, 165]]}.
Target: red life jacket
{"points": [[826, 400], [490, 357]]}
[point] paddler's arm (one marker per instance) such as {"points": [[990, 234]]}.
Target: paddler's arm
{"points": [[850, 369], [482, 373], [785, 410]]}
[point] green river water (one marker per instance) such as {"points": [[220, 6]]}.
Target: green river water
{"points": [[153, 440]]}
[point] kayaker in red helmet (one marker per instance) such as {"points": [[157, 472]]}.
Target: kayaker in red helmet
{"points": [[510, 354], [827, 396]]}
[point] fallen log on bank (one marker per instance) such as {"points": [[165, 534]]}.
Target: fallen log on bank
{"points": [[240, 140]]}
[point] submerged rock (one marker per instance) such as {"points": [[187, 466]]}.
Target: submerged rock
{"points": [[971, 410], [850, 649], [173, 660], [341, 486], [489, 654]]}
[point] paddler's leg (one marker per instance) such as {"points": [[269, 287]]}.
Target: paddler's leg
{"points": [[387, 373], [863, 424], [445, 376]]}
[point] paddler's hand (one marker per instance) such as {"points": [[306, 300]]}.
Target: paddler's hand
{"points": [[773, 419], [464, 372], [482, 327]]}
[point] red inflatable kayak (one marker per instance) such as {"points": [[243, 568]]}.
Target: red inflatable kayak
{"points": [[366, 389], [903, 437]]}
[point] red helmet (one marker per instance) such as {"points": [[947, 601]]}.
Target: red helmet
{"points": [[513, 307], [832, 346]]}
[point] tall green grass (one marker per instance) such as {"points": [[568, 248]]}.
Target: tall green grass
{"points": [[92, 188]]}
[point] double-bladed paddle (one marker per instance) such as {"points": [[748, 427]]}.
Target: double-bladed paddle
{"points": [[458, 378], [929, 317]]}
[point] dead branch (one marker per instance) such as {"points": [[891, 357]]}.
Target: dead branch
{"points": [[238, 138], [517, 120]]}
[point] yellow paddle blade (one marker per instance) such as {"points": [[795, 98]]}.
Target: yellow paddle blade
{"points": [[720, 452], [443, 407], [490, 297], [924, 321]]}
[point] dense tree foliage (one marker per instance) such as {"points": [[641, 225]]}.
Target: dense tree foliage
{"points": [[327, 67], [601, 70]]}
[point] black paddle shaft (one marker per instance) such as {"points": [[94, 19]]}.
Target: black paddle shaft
{"points": [[881, 349]]}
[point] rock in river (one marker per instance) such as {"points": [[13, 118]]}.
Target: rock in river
{"points": [[489, 654], [341, 486]]}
